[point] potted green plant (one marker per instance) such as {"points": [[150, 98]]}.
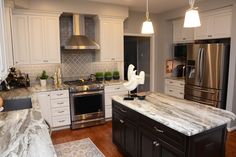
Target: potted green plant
{"points": [[116, 75], [108, 76], [43, 79], [99, 76]]}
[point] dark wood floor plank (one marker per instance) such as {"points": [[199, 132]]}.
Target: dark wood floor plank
{"points": [[102, 137]]}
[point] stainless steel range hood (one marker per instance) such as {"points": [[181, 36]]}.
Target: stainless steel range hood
{"points": [[78, 40]]}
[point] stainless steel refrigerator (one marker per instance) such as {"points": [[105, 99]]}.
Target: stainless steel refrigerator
{"points": [[207, 74]]}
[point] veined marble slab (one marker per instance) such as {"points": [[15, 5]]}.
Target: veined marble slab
{"points": [[184, 116], [23, 133]]}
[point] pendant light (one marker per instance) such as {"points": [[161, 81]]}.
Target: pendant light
{"points": [[192, 16], [147, 27]]}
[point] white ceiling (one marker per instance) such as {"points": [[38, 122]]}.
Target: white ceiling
{"points": [[155, 6]]}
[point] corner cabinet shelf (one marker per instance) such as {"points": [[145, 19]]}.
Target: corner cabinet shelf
{"points": [[139, 136], [36, 37], [110, 36]]}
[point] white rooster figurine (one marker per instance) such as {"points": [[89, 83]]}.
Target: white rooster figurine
{"points": [[133, 79]]}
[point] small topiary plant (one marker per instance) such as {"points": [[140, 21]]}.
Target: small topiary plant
{"points": [[108, 76], [99, 76], [116, 75], [44, 75]]}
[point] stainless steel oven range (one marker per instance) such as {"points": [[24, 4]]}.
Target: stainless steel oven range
{"points": [[86, 103]]}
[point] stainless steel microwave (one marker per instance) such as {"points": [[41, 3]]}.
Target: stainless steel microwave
{"points": [[180, 51]]}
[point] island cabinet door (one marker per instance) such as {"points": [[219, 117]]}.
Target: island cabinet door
{"points": [[166, 150], [117, 130], [152, 146], [148, 144], [125, 135]]}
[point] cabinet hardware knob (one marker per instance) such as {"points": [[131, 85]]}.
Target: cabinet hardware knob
{"points": [[171, 82], [158, 130], [157, 144], [121, 121], [123, 110], [154, 142], [184, 38]]}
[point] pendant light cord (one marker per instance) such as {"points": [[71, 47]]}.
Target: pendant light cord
{"points": [[147, 12], [191, 3]]}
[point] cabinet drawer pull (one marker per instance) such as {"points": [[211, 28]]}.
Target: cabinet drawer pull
{"points": [[117, 88], [121, 121], [59, 94], [170, 90], [61, 121], [60, 103], [123, 110], [61, 111], [171, 82], [209, 35], [45, 60], [155, 143], [181, 93], [158, 130], [181, 84]]}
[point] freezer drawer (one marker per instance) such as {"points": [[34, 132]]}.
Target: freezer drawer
{"points": [[204, 93], [203, 101]]}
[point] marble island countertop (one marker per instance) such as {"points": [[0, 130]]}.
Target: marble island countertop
{"points": [[23, 133], [184, 116]]}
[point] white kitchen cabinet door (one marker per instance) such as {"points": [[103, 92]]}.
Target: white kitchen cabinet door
{"points": [[181, 34], [8, 36], [204, 31], [118, 40], [45, 106], [215, 24], [36, 39], [3, 66], [110, 39], [222, 25], [52, 40], [21, 39]]}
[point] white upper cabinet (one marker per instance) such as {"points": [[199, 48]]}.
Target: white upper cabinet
{"points": [[181, 34], [110, 34], [3, 59], [52, 40], [215, 24], [21, 39], [36, 37]]}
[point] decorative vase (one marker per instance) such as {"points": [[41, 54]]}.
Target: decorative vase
{"points": [[108, 78], [116, 77], [43, 83]]}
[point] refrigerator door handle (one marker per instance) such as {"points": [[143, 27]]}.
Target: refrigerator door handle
{"points": [[201, 64]]}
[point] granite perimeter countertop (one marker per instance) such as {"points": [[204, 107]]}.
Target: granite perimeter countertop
{"points": [[23, 133], [184, 116], [21, 93]]}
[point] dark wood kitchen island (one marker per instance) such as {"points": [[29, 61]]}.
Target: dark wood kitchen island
{"points": [[163, 126]]}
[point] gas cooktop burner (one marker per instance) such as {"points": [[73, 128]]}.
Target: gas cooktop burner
{"points": [[84, 85]]}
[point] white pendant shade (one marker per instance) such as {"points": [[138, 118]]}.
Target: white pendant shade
{"points": [[147, 27], [192, 19]]}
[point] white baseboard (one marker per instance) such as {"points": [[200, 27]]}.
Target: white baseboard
{"points": [[231, 129]]}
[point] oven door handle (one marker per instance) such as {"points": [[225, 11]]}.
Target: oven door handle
{"points": [[87, 93]]}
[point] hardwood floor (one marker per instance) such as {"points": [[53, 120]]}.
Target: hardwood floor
{"points": [[102, 136]]}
